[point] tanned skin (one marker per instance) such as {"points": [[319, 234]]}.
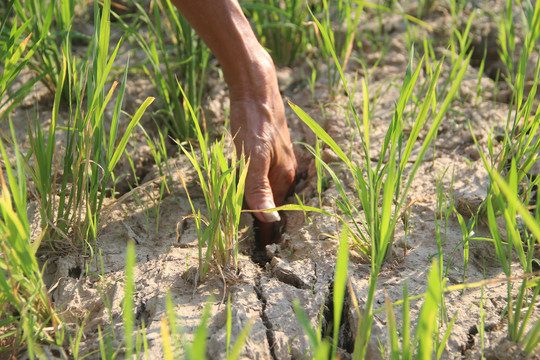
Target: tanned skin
{"points": [[257, 112]]}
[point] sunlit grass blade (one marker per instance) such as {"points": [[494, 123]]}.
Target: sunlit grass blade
{"points": [[427, 321], [340, 283], [392, 329], [127, 308], [236, 350], [197, 349], [321, 349], [21, 283]]}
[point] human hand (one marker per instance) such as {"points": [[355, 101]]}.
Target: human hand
{"points": [[257, 114], [259, 128]]}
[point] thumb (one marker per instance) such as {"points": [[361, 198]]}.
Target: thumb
{"points": [[258, 193]]}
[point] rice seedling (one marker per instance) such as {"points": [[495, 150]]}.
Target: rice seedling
{"points": [[426, 343], [282, 27], [50, 25], [16, 53], [320, 348], [186, 60], [312, 79], [336, 50], [222, 178], [521, 238], [176, 346], [445, 207], [374, 224], [127, 308], [368, 190], [480, 74], [507, 40], [26, 310], [235, 351], [458, 40], [322, 181], [468, 235], [92, 150], [520, 143], [340, 284], [158, 148]]}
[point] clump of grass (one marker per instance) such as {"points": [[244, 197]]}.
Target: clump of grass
{"points": [[335, 47], [374, 224], [71, 199], [25, 308], [13, 44], [504, 197], [510, 194], [50, 25], [185, 60], [222, 177], [520, 142], [282, 27], [426, 333]]}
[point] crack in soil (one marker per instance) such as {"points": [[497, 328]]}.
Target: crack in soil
{"points": [[345, 334], [473, 331], [269, 332], [287, 276]]}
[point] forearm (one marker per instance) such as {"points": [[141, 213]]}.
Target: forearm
{"points": [[222, 25], [257, 114]]}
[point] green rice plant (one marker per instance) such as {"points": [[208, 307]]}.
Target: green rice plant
{"points": [[312, 78], [480, 75], [426, 334], [222, 178], [511, 184], [106, 348], [482, 329], [458, 40], [235, 351], [26, 310], [507, 39], [282, 27], [186, 60], [75, 341], [444, 208], [520, 144], [175, 345], [336, 50], [72, 184], [374, 224], [514, 244], [340, 283], [412, 34], [127, 305], [461, 39], [158, 148], [50, 25], [424, 6], [504, 199], [13, 45], [320, 348], [468, 235]]}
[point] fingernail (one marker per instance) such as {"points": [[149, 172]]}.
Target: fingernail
{"points": [[269, 216]]}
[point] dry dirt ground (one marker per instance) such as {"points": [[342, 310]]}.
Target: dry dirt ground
{"points": [[301, 264]]}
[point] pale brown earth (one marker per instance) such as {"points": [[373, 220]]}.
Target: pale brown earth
{"points": [[301, 265]]}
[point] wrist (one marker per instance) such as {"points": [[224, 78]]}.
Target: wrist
{"points": [[252, 76]]}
